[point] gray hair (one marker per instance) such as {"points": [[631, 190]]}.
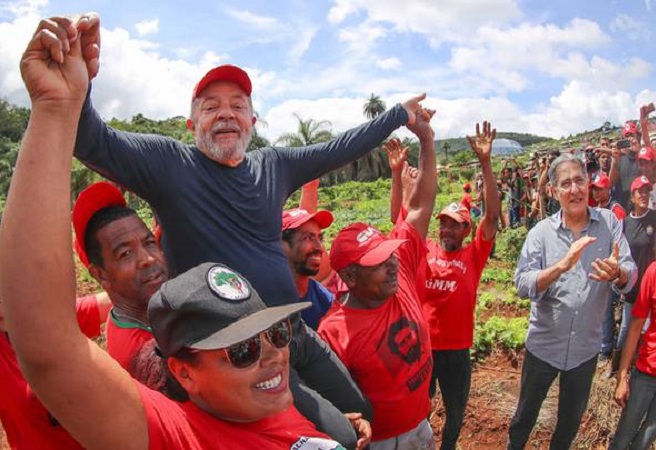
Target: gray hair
{"points": [[564, 158]]}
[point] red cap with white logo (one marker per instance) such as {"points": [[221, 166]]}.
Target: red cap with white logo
{"points": [[362, 244]]}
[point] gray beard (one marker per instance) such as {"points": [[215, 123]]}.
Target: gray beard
{"points": [[222, 155]]}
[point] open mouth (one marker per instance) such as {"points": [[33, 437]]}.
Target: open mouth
{"points": [[269, 384]]}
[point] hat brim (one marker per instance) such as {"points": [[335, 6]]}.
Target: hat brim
{"points": [[457, 217], [248, 326], [641, 185], [380, 253]]}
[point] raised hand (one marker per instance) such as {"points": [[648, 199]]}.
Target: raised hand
{"points": [[421, 126], [607, 269], [88, 26], [482, 143], [52, 66], [396, 154], [412, 106]]}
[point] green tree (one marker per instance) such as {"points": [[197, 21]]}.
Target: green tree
{"points": [[374, 107], [309, 132]]}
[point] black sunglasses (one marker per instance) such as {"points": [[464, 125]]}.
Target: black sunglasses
{"points": [[246, 353]]}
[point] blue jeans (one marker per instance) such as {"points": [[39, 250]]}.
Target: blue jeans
{"points": [[636, 429], [537, 378], [452, 370]]}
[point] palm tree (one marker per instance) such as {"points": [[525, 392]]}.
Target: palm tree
{"points": [[374, 107], [309, 132], [445, 147]]}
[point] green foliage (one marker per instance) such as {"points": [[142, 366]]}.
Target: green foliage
{"points": [[509, 244], [506, 333], [498, 275]]}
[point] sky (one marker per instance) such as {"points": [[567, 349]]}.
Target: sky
{"points": [[549, 68]]}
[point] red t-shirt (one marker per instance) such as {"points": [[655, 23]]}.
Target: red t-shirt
{"points": [[387, 349], [466, 201], [450, 297], [27, 423], [644, 305], [124, 340], [175, 426]]}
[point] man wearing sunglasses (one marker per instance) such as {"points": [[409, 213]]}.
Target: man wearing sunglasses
{"points": [[377, 328], [302, 242], [122, 255]]}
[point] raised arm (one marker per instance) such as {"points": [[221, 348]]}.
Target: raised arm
{"points": [[422, 198], [645, 110], [308, 163], [76, 380], [397, 156], [482, 147], [310, 196]]}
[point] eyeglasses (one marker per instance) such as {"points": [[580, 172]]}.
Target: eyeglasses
{"points": [[567, 184], [246, 353]]}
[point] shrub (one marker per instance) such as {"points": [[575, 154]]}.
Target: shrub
{"points": [[509, 244]]}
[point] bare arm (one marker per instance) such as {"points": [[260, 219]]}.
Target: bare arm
{"points": [[310, 196], [75, 379], [482, 146], [644, 123], [104, 305], [397, 155], [422, 198], [630, 346]]}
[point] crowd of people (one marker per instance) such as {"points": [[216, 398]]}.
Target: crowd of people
{"points": [[232, 327]]}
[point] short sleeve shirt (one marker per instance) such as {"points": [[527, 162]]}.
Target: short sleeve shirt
{"points": [[387, 349], [175, 426], [643, 307], [450, 296], [124, 340]]}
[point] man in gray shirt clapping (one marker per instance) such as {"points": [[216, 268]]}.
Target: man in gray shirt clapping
{"points": [[569, 264]]}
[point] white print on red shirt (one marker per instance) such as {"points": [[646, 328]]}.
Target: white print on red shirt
{"points": [[446, 263], [312, 443]]}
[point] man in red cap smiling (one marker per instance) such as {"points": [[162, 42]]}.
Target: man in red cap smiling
{"points": [[377, 328], [302, 241]]}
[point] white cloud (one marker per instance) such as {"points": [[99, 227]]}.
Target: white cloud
{"points": [[441, 21], [304, 39], [340, 11], [631, 28], [253, 20], [147, 27], [388, 63]]}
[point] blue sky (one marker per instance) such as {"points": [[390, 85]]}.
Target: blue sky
{"points": [[544, 67]]}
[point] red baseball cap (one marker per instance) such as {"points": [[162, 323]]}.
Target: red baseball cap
{"points": [[362, 244], [294, 218], [456, 211], [629, 128], [466, 186], [647, 153], [639, 182], [225, 72], [601, 181], [91, 200]]}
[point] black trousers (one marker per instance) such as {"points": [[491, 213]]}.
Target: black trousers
{"points": [[537, 377], [452, 370]]}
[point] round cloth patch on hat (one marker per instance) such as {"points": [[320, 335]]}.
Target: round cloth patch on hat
{"points": [[227, 284]]}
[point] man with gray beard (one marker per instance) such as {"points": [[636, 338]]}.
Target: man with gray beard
{"points": [[217, 203]]}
